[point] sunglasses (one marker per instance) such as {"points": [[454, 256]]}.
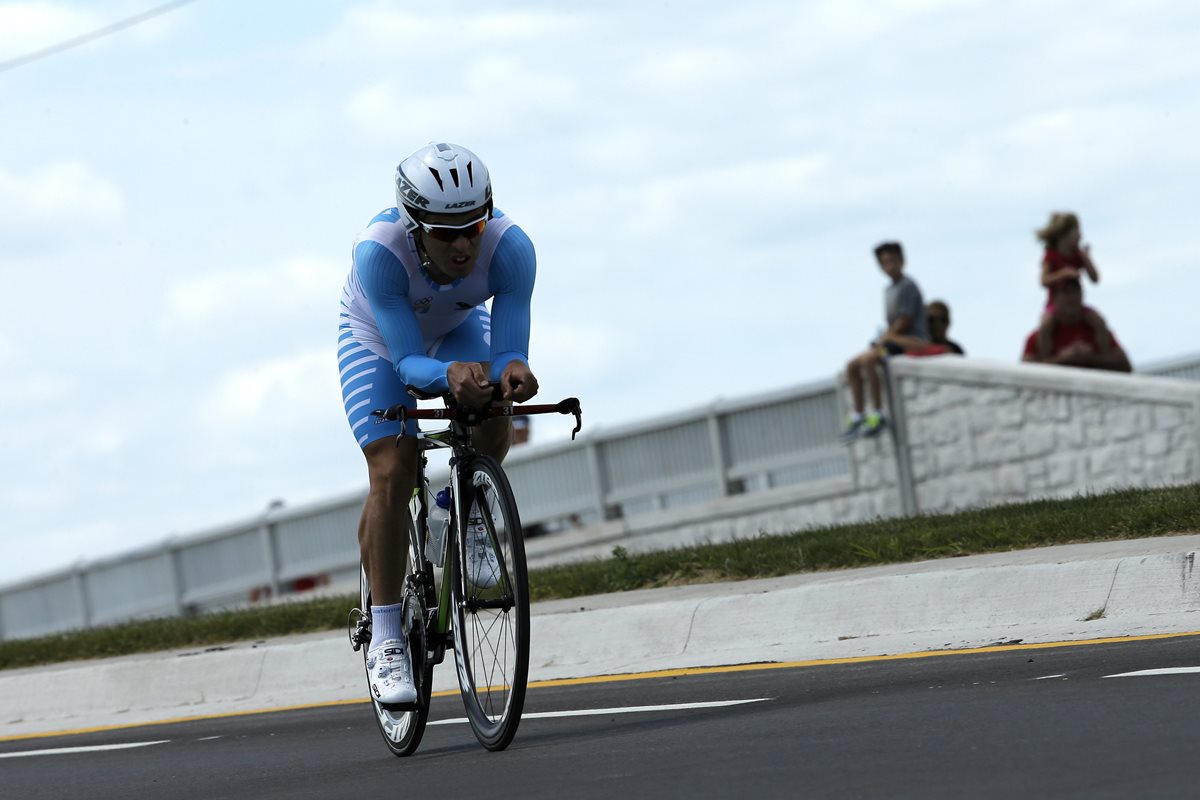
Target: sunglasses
{"points": [[448, 233], [937, 318]]}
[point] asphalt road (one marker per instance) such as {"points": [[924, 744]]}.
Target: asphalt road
{"points": [[1022, 722]]}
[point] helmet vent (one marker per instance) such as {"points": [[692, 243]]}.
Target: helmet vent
{"points": [[454, 175], [470, 174], [438, 178]]}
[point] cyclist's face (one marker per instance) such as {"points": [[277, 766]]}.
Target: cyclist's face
{"points": [[453, 252]]}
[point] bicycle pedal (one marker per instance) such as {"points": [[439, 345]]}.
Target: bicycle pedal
{"points": [[360, 631], [399, 706]]}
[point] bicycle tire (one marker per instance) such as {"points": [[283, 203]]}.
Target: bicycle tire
{"points": [[493, 709], [402, 730]]}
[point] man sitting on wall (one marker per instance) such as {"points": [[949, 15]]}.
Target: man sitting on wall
{"points": [[937, 316], [1074, 342], [905, 311]]}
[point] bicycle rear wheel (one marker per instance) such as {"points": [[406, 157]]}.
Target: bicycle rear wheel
{"points": [[491, 624], [402, 729]]}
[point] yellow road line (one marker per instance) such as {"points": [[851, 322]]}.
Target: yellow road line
{"points": [[634, 676]]}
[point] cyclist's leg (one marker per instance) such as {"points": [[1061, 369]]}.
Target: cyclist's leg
{"points": [[370, 382], [382, 539], [472, 341]]}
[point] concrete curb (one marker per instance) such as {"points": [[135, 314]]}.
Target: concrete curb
{"points": [[1059, 593]]}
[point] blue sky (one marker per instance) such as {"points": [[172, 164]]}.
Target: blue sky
{"points": [[704, 183]]}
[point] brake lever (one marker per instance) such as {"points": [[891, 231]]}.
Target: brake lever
{"points": [[571, 406]]}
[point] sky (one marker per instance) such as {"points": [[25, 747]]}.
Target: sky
{"points": [[704, 183]]}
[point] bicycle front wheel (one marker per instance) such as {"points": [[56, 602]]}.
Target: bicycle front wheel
{"points": [[402, 729], [491, 605]]}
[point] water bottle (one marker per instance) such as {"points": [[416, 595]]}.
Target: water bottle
{"points": [[439, 526]]}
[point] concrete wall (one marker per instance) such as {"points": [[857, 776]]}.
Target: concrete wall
{"points": [[964, 433], [980, 433]]}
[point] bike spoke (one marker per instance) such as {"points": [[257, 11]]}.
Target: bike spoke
{"points": [[494, 654]]}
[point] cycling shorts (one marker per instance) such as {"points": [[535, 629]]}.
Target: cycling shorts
{"points": [[369, 381]]}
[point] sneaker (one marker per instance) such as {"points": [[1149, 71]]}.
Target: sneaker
{"points": [[389, 670], [483, 570], [873, 424], [853, 428]]}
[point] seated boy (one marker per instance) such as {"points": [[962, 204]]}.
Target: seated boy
{"points": [[905, 312]]}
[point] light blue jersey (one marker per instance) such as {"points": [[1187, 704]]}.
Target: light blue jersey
{"points": [[399, 327]]}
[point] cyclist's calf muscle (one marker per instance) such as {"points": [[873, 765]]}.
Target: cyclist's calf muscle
{"points": [[383, 541], [392, 467], [494, 437]]}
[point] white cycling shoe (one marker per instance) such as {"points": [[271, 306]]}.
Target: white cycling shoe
{"points": [[390, 671], [483, 570]]}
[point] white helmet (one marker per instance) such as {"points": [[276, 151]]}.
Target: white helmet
{"points": [[441, 178]]}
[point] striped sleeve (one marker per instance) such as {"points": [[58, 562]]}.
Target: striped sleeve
{"points": [[385, 283], [510, 281]]}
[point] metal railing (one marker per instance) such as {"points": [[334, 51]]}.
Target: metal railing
{"points": [[1185, 368], [745, 445], [739, 446]]}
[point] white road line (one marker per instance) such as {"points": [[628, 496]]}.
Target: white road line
{"points": [[1167, 671], [58, 751], [594, 712], [1048, 677]]}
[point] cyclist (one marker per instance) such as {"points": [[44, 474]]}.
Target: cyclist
{"points": [[413, 314]]}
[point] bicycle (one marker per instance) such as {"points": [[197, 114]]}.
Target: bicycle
{"points": [[488, 626]]}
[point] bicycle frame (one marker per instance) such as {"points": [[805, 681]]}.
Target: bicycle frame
{"points": [[457, 439], [443, 614]]}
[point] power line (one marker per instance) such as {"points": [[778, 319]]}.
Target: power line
{"points": [[100, 33]]}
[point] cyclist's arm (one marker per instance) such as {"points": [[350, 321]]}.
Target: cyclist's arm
{"points": [[514, 268], [385, 283]]}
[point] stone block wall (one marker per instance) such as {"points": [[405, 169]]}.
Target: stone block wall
{"points": [[979, 433], [964, 433]]}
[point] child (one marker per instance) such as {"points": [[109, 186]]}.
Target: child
{"points": [[1064, 261], [905, 313]]}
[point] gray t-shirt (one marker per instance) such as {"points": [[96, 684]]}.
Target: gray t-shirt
{"points": [[903, 299]]}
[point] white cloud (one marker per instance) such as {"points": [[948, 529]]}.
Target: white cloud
{"points": [[404, 37], [295, 283], [751, 190], [35, 391], [157, 29], [572, 350], [28, 27], [706, 69], [623, 149], [1100, 136], [283, 395], [102, 439], [29, 496], [502, 90], [66, 190]]}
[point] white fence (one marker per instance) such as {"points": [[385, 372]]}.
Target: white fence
{"points": [[767, 463], [754, 444]]}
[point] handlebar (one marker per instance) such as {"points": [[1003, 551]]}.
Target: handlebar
{"points": [[474, 416]]}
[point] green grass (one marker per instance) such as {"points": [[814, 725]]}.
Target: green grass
{"points": [[1114, 515]]}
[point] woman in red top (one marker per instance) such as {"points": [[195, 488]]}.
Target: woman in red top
{"points": [[1066, 260]]}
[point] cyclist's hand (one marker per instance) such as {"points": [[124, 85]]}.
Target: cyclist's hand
{"points": [[469, 384], [517, 383]]}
